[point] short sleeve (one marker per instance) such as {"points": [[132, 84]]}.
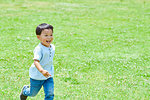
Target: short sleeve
{"points": [[37, 53]]}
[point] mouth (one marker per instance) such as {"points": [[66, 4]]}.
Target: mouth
{"points": [[48, 41]]}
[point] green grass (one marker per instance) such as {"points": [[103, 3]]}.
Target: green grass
{"points": [[102, 47]]}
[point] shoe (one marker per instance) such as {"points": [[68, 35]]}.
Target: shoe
{"points": [[23, 97]]}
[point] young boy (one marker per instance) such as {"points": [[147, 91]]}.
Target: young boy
{"points": [[41, 71]]}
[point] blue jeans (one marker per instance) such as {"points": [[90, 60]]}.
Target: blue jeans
{"points": [[35, 86]]}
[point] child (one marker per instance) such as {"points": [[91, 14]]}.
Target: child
{"points": [[41, 71]]}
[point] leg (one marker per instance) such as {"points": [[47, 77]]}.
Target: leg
{"points": [[35, 86], [49, 89]]}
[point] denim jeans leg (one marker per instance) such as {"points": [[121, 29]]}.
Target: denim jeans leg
{"points": [[35, 86], [49, 89]]}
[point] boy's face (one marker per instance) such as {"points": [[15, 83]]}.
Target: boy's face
{"points": [[46, 37]]}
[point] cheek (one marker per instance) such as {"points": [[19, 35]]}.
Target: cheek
{"points": [[44, 38], [52, 38]]}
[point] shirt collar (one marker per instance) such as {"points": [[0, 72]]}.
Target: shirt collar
{"points": [[45, 46]]}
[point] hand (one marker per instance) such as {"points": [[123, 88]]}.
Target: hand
{"points": [[46, 73]]}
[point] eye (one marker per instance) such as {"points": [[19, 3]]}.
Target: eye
{"points": [[46, 35]]}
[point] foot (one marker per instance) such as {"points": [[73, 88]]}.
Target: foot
{"points": [[23, 97]]}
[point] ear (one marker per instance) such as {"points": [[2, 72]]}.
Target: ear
{"points": [[38, 36]]}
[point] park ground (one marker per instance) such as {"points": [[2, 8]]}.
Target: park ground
{"points": [[102, 47]]}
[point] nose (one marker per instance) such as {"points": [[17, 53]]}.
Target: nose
{"points": [[50, 37]]}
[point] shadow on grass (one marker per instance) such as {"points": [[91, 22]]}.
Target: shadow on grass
{"points": [[71, 80]]}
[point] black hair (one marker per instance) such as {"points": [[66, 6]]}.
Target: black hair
{"points": [[43, 26]]}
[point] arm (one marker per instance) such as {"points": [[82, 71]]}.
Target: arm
{"points": [[39, 67]]}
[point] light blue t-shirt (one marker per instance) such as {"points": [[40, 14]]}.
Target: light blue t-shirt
{"points": [[45, 56]]}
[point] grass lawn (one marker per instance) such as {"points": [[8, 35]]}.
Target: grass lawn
{"points": [[102, 47]]}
